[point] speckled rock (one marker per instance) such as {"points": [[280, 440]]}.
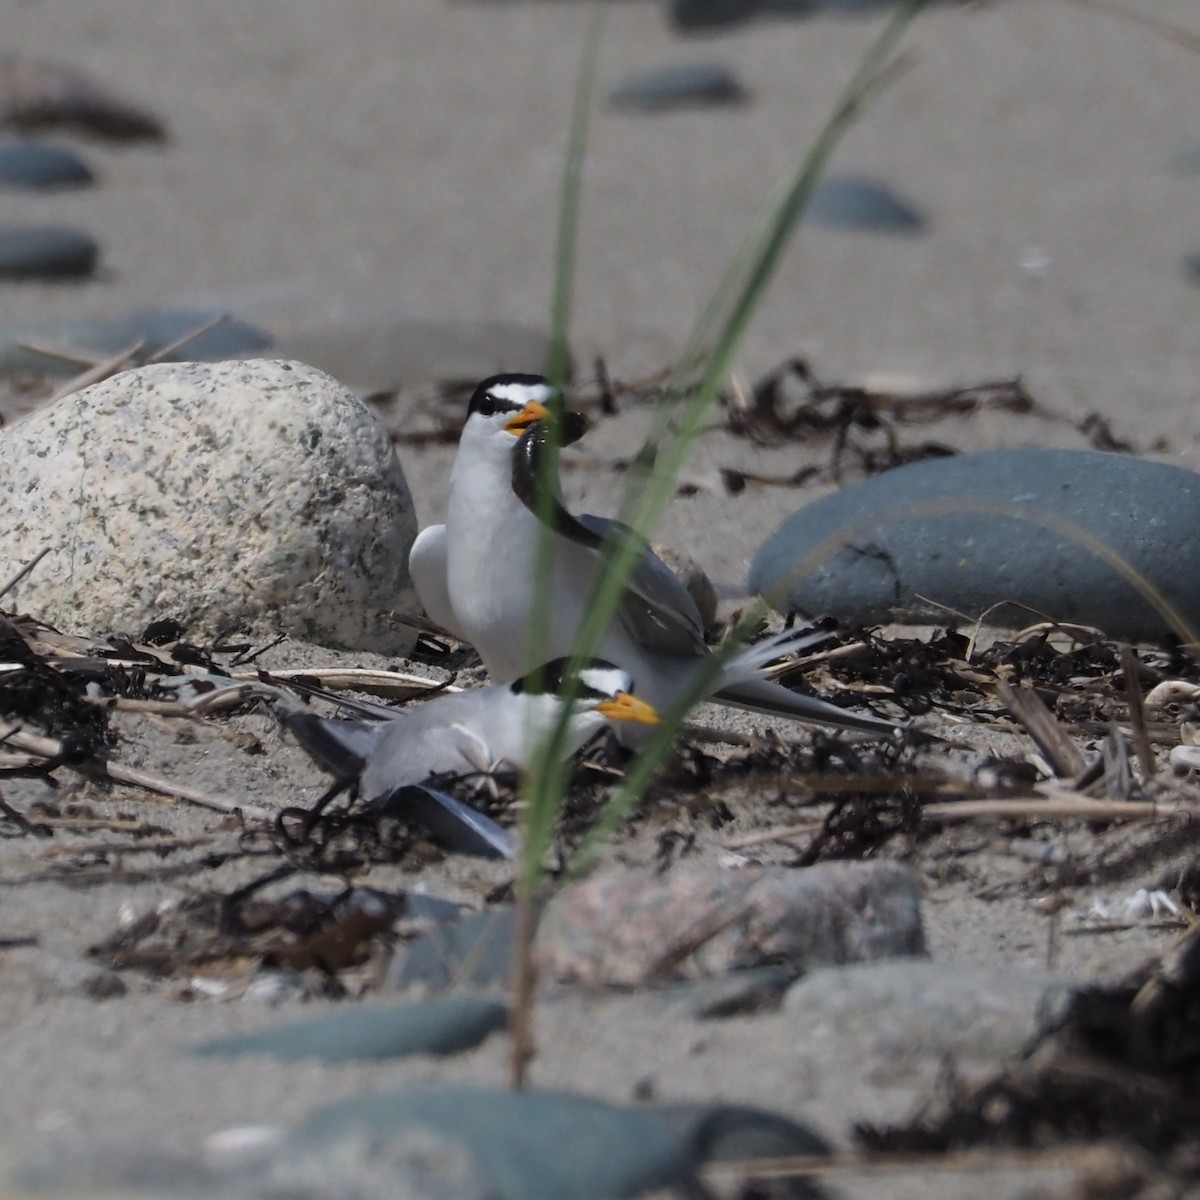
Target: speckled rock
{"points": [[623, 928], [257, 495], [969, 533]]}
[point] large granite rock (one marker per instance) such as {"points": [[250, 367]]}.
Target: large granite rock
{"points": [[1013, 535], [258, 495]]}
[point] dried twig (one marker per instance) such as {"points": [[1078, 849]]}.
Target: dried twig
{"points": [[50, 748], [1044, 727], [1137, 712], [363, 679], [25, 570], [200, 330], [99, 370], [1065, 806]]}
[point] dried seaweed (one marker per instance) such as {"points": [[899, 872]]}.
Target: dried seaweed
{"points": [[865, 427]]}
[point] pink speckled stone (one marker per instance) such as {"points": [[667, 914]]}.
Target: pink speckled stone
{"points": [[622, 927]]}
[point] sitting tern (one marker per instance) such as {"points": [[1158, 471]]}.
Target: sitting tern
{"points": [[482, 729], [476, 574]]}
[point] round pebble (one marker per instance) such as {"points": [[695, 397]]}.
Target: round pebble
{"points": [[39, 167], [857, 202], [1017, 536], [679, 87], [553, 1146], [446, 1025], [46, 252]]}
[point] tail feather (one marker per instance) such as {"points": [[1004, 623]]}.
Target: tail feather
{"points": [[750, 659], [766, 696], [742, 685]]}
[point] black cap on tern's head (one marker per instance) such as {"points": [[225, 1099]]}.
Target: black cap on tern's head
{"points": [[602, 687], [521, 401]]}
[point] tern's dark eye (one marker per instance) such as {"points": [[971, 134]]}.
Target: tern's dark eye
{"points": [[486, 405]]}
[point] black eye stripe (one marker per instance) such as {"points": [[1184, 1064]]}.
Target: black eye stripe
{"points": [[487, 404], [598, 680]]}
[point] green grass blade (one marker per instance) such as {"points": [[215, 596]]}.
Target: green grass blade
{"points": [[718, 334], [557, 359]]}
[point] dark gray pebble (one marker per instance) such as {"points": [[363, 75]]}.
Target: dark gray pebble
{"points": [[157, 328], [705, 14], [679, 87], [857, 202], [46, 252], [443, 1026], [737, 1132], [543, 1145], [964, 535], [1191, 267], [37, 166]]}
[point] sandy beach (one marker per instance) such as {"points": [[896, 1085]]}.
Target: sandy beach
{"points": [[339, 168]]}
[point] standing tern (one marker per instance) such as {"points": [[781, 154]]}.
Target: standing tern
{"points": [[476, 575]]}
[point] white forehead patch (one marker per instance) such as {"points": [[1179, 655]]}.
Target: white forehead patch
{"points": [[520, 394], [607, 681]]}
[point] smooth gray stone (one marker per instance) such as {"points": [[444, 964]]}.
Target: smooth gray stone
{"points": [[446, 1025], [736, 1132], [157, 328], [474, 952], [964, 533], [857, 202], [37, 166], [533, 1145], [704, 14], [904, 1014], [413, 1163], [111, 1171], [46, 252], [679, 87]]}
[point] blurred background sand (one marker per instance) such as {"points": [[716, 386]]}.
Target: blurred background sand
{"points": [[336, 163]]}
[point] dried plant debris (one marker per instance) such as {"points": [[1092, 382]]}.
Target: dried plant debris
{"points": [[1122, 1067], [865, 426], [297, 930], [810, 797], [42, 95]]}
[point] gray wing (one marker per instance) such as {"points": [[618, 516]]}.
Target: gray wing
{"points": [[656, 610], [342, 746]]}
